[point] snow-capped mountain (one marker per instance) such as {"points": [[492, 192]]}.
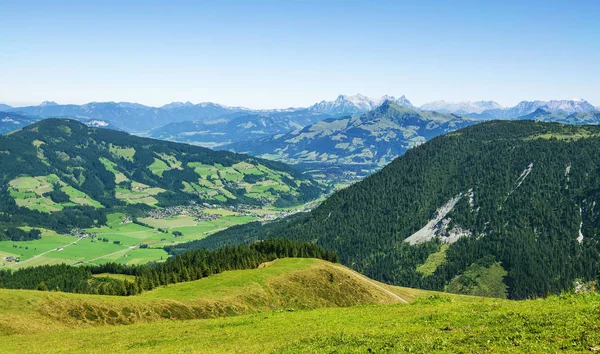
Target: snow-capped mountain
{"points": [[348, 105], [526, 107], [177, 105], [592, 117], [577, 105], [460, 107]]}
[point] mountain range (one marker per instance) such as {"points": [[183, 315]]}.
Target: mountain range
{"points": [[137, 118], [131, 117], [242, 126], [10, 122], [526, 107], [358, 145], [349, 105], [460, 107]]}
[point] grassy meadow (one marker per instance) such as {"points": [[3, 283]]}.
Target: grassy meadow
{"points": [[294, 306], [116, 242]]}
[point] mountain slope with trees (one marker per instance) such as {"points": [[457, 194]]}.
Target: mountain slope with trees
{"points": [[514, 196], [61, 174]]}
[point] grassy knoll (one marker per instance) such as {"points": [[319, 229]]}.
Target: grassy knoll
{"points": [[282, 284], [311, 314], [111, 166], [122, 152], [158, 167]]}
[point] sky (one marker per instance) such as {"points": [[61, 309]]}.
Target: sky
{"points": [[278, 54]]}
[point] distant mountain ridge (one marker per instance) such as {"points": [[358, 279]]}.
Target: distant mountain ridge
{"points": [[129, 116], [10, 122], [237, 127], [363, 142], [346, 105], [138, 118], [526, 107], [592, 117], [460, 107]]}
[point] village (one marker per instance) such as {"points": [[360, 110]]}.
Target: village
{"points": [[81, 233]]}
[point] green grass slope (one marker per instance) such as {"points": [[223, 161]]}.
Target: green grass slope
{"points": [[435, 324], [290, 283]]}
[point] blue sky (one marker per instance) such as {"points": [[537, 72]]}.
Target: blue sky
{"points": [[275, 54]]}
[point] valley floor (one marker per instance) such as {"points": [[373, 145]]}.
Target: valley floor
{"points": [[124, 242]]}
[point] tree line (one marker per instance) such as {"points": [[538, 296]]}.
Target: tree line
{"points": [[189, 266]]}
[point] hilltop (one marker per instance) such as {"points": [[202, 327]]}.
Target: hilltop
{"points": [[289, 283], [504, 208]]}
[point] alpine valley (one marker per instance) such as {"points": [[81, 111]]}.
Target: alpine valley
{"points": [[452, 215]]}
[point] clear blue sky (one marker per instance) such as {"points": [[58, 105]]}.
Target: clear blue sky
{"points": [[268, 54]]}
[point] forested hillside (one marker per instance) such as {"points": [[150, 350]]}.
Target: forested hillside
{"points": [[61, 174], [515, 201]]}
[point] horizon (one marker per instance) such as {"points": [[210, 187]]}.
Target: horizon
{"points": [[279, 55], [284, 108]]}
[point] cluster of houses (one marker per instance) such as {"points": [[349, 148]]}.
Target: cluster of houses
{"points": [[170, 212], [12, 259], [81, 233]]}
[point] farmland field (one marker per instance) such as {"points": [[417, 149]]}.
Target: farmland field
{"points": [[123, 241]]}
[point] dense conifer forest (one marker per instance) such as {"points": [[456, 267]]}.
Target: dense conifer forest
{"points": [[525, 200]]}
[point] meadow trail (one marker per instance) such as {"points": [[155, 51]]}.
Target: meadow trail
{"points": [[371, 282], [113, 253], [51, 250]]}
